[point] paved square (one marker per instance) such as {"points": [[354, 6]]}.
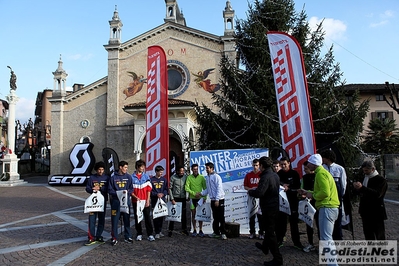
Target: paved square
{"points": [[45, 225]]}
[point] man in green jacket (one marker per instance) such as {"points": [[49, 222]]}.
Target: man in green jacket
{"points": [[195, 183], [326, 195]]}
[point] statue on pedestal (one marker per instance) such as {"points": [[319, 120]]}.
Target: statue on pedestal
{"points": [[13, 79]]}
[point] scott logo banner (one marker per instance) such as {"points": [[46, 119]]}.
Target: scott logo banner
{"points": [[82, 160], [292, 95], [157, 128]]}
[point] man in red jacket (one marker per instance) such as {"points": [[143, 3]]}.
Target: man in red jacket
{"points": [[251, 181]]}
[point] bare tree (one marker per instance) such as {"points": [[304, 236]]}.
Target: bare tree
{"points": [[393, 99]]}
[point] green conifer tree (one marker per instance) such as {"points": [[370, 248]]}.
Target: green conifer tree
{"points": [[247, 113]]}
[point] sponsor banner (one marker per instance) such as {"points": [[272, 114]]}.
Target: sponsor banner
{"points": [[292, 96], [232, 166], [82, 160], [377, 252], [68, 180], [157, 128], [111, 161]]}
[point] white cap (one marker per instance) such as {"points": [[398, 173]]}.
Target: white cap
{"points": [[315, 159]]}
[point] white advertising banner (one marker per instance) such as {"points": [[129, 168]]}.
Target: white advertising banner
{"points": [[232, 166], [292, 95]]}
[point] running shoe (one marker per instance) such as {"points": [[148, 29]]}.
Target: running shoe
{"points": [[90, 242], [213, 235], [100, 240], [309, 248], [129, 240]]}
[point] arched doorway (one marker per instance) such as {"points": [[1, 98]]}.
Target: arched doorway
{"points": [[176, 155]]}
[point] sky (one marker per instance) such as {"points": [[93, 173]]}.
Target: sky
{"points": [[364, 34]]}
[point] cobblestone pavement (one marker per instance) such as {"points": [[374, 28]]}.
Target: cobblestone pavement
{"points": [[45, 225]]}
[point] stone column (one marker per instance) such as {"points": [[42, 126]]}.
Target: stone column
{"points": [[12, 99], [10, 161]]}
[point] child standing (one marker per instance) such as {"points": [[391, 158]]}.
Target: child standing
{"points": [[159, 191]]}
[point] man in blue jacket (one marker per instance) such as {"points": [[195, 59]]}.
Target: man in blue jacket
{"points": [[97, 183], [159, 191], [121, 180]]}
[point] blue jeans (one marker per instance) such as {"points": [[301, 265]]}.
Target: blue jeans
{"points": [[115, 214], [327, 217], [92, 234]]}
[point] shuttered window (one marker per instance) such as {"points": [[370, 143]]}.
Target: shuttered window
{"points": [[382, 115]]}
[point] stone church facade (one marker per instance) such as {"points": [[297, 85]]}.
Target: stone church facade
{"points": [[110, 112]]}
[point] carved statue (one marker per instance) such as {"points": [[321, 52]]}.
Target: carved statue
{"points": [[13, 79]]}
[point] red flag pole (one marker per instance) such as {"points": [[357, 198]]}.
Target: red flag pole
{"points": [[157, 128]]}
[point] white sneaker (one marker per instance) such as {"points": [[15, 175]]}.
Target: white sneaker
{"points": [[224, 237], [309, 248], [157, 236], [151, 238], [139, 238], [161, 235], [252, 236]]}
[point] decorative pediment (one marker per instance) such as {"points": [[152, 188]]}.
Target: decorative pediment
{"points": [[174, 30]]}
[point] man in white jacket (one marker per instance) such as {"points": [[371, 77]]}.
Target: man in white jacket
{"points": [[214, 189]]}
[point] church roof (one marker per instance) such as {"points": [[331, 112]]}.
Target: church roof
{"points": [[86, 89], [166, 26]]}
